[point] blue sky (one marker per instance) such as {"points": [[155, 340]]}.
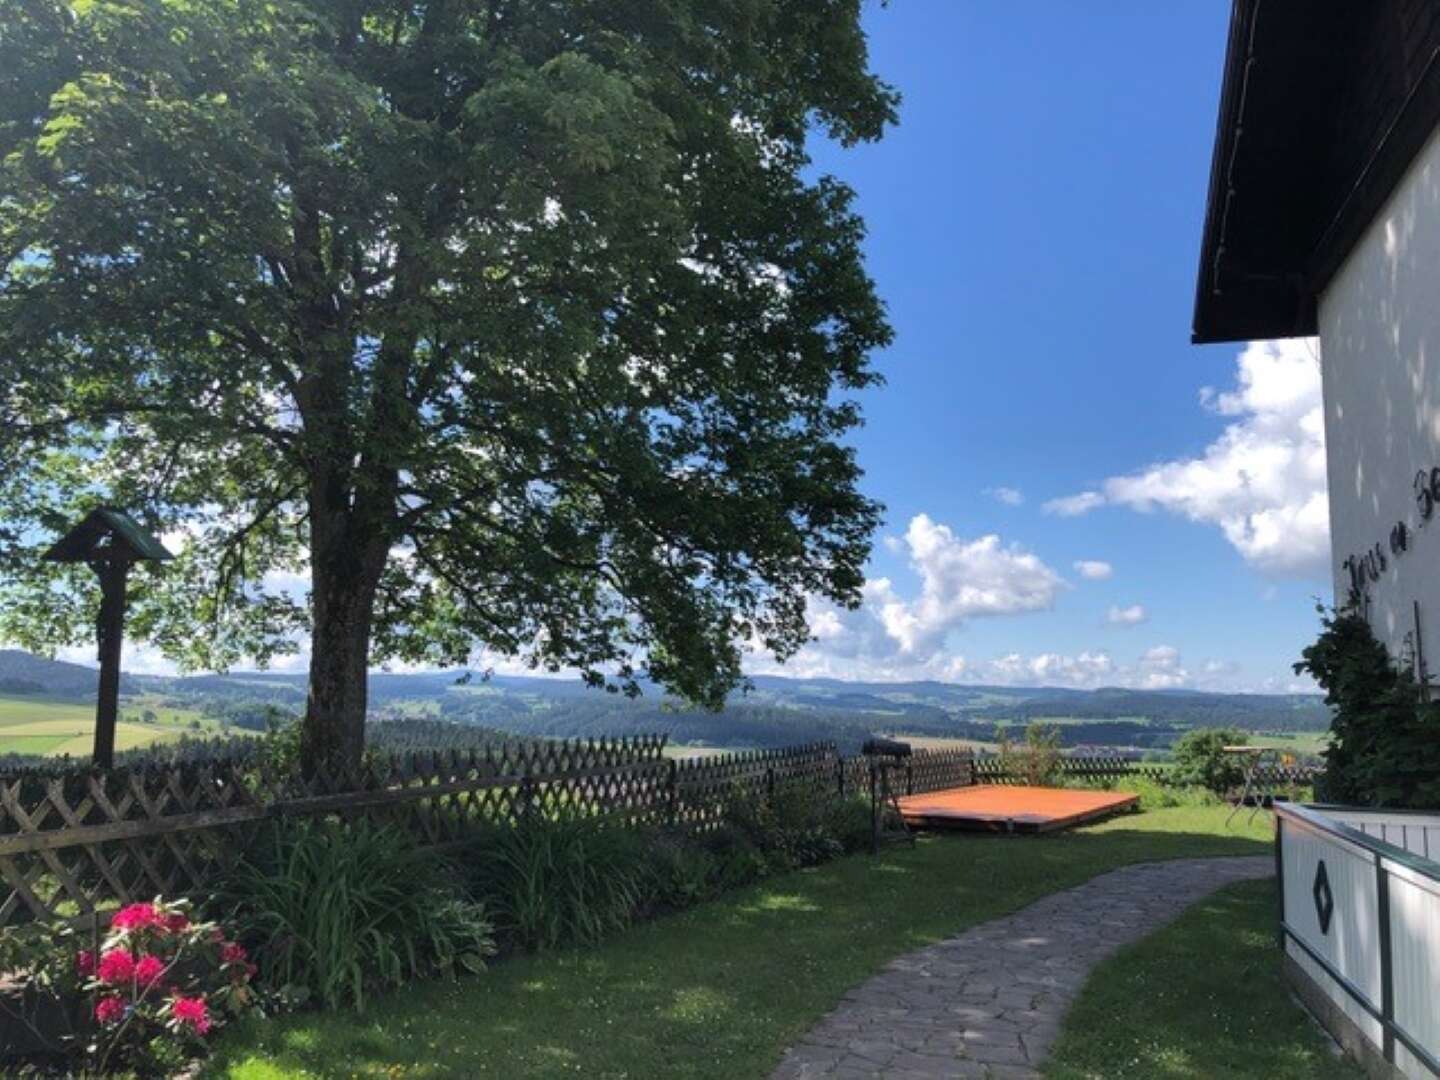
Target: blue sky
{"points": [[1034, 226]]}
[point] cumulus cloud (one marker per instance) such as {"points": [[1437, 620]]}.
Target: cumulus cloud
{"points": [[1074, 505], [1094, 569], [1126, 616], [1085, 670], [1007, 495], [1262, 482], [1158, 668], [903, 632]]}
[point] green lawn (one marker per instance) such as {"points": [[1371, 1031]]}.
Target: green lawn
{"points": [[1202, 998], [719, 991]]}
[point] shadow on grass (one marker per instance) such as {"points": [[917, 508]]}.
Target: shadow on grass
{"points": [[1229, 1015], [718, 991]]}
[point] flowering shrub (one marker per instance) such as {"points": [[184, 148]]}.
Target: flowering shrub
{"points": [[159, 983]]}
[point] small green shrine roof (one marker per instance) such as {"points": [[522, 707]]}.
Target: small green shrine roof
{"points": [[106, 533]]}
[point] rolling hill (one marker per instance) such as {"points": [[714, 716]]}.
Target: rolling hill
{"points": [[775, 711]]}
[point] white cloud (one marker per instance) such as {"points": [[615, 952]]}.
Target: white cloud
{"points": [[1262, 482], [1160, 669], [1126, 616], [1074, 505], [902, 633], [1094, 569], [1007, 495], [959, 580], [1088, 669]]}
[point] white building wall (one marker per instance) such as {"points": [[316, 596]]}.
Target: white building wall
{"points": [[1380, 335]]}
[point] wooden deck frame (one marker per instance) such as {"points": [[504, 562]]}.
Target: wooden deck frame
{"points": [[1012, 808]]}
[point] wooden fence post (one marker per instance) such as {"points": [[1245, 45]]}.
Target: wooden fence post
{"points": [[673, 795]]}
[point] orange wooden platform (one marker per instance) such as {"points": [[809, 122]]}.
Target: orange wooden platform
{"points": [[1003, 808]]}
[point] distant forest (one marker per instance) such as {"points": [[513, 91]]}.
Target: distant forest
{"points": [[774, 712]]}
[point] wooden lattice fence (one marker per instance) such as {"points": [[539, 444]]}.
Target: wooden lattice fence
{"points": [[79, 843], [84, 842], [1088, 767], [1099, 768]]}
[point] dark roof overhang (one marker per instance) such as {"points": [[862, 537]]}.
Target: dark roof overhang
{"points": [[1324, 105]]}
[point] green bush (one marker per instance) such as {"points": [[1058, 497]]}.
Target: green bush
{"points": [[1385, 737], [1200, 759], [1157, 796], [682, 872], [736, 858], [849, 823], [334, 909], [1037, 760], [563, 880], [792, 827]]}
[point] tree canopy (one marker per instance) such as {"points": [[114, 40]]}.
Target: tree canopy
{"points": [[423, 327]]}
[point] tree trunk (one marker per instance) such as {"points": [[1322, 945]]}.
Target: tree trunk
{"points": [[345, 572]]}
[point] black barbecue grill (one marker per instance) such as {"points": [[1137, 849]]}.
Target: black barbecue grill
{"points": [[885, 756]]}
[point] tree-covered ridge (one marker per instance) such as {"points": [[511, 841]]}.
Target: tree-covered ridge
{"points": [[774, 712]]}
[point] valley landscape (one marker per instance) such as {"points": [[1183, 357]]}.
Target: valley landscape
{"points": [[46, 709]]}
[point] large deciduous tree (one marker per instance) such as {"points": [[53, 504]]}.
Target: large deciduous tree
{"points": [[514, 324]]}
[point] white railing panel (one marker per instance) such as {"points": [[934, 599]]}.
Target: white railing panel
{"points": [[1358, 1014], [1351, 943], [1379, 962], [1415, 960], [1418, 834]]}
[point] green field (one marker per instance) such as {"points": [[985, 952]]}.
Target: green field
{"points": [[1302, 743], [55, 727]]}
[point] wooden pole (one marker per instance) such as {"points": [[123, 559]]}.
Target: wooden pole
{"points": [[1422, 672], [111, 631]]}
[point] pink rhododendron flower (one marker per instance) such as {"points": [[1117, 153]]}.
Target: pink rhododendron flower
{"points": [[232, 953], [116, 967], [110, 1010], [85, 963], [135, 917], [149, 970], [193, 1013], [177, 922]]}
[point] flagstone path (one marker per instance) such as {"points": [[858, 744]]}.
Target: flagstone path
{"points": [[989, 1002]]}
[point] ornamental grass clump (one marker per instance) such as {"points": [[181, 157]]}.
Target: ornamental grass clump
{"points": [[563, 880], [336, 910]]}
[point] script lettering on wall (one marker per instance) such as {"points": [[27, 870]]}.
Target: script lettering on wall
{"points": [[1366, 567]]}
